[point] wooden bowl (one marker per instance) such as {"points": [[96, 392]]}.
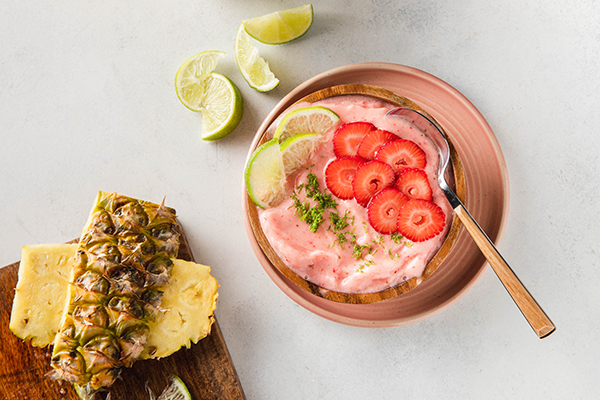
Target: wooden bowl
{"points": [[361, 298]]}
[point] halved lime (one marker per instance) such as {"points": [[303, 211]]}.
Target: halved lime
{"points": [[297, 149], [315, 119], [281, 26], [253, 68], [214, 95], [265, 175], [175, 391], [222, 107], [190, 80]]}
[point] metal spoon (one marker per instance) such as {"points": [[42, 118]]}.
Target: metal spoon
{"points": [[534, 314]]}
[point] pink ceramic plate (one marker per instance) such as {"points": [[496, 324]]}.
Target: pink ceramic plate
{"points": [[487, 195]]}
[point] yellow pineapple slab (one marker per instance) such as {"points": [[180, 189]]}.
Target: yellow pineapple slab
{"points": [[188, 302], [41, 291]]}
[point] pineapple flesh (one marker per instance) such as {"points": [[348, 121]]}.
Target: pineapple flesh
{"points": [[186, 315], [122, 263], [41, 291], [189, 302]]}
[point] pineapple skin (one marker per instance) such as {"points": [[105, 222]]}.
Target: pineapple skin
{"points": [[41, 292], [121, 264]]}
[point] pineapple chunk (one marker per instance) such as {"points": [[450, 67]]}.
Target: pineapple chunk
{"points": [[188, 302], [41, 292]]}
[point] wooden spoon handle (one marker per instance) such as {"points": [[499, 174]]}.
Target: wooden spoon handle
{"points": [[534, 314]]}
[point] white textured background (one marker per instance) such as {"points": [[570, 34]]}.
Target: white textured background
{"points": [[87, 102]]}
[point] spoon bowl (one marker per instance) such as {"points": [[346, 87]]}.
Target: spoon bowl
{"points": [[531, 310]]}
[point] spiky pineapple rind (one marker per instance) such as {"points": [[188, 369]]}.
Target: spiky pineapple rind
{"points": [[126, 245]]}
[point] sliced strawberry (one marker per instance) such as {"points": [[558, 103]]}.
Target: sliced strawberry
{"points": [[401, 154], [370, 178], [348, 137], [383, 210], [373, 142], [420, 220], [339, 175], [414, 184]]}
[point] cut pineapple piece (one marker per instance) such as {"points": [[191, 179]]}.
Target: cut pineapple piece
{"points": [[188, 303], [41, 292], [189, 300]]}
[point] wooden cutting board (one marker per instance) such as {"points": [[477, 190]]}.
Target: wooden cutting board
{"points": [[206, 368]]}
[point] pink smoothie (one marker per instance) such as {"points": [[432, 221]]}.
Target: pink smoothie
{"points": [[319, 257]]}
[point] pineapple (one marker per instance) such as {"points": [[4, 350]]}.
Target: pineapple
{"points": [[188, 304], [121, 265], [41, 292]]}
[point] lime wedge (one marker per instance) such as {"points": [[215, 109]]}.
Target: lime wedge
{"points": [[175, 391], [191, 77], [265, 175], [314, 119], [253, 68], [214, 95], [281, 26], [222, 107], [296, 150]]}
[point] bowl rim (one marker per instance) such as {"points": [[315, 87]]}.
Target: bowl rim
{"points": [[457, 171]]}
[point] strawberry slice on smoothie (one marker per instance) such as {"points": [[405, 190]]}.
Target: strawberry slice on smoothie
{"points": [[373, 142], [401, 154], [339, 175], [370, 179], [348, 137], [420, 220], [383, 210], [414, 184]]}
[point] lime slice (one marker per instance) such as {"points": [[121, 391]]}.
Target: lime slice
{"points": [[214, 95], [265, 175], [314, 119], [253, 68], [281, 26], [175, 391], [296, 150], [222, 107], [191, 77]]}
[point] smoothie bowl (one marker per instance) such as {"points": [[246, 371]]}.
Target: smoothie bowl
{"points": [[343, 201]]}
